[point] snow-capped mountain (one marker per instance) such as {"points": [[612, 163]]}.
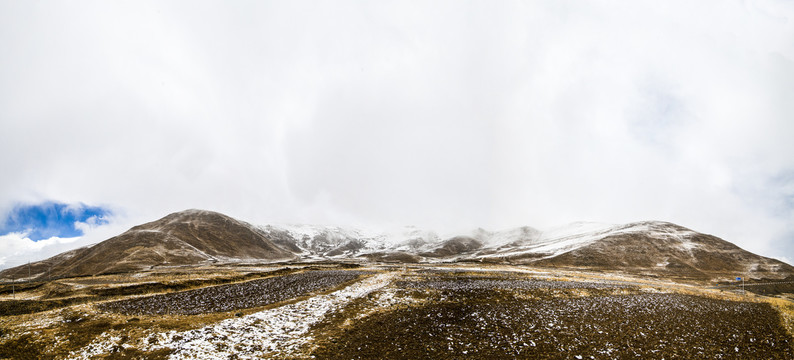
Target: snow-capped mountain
{"points": [[313, 240], [194, 237]]}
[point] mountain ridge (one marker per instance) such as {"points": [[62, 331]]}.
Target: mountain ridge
{"points": [[195, 237]]}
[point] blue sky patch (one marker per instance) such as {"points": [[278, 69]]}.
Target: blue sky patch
{"points": [[45, 220]]}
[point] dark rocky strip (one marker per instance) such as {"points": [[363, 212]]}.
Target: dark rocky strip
{"points": [[232, 297]]}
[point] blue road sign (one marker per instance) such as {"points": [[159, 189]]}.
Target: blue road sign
{"points": [[738, 278]]}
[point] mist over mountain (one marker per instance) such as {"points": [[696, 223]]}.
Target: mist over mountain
{"points": [[196, 237]]}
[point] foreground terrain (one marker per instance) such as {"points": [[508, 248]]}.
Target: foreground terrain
{"points": [[371, 311]]}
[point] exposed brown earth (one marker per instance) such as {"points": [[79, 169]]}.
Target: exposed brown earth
{"points": [[635, 253], [185, 238], [195, 237], [438, 311], [463, 317], [455, 246]]}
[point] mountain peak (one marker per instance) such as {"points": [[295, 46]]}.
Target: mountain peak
{"points": [[194, 237]]}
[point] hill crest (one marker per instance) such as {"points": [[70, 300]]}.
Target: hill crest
{"points": [[195, 237]]}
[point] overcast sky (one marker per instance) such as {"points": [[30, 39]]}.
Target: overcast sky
{"points": [[450, 115]]}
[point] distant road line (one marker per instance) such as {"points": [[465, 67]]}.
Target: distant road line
{"points": [[752, 284]]}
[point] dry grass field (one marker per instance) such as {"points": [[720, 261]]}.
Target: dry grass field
{"points": [[344, 311]]}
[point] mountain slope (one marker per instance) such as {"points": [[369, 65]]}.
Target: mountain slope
{"points": [[195, 237], [182, 238], [655, 248]]}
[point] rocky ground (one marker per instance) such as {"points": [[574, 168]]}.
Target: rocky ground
{"points": [[376, 312], [245, 295], [484, 317]]}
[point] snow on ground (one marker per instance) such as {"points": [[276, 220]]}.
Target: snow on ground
{"points": [[298, 231], [519, 235], [562, 239], [373, 239], [565, 238], [411, 238], [277, 332], [550, 242], [317, 238]]}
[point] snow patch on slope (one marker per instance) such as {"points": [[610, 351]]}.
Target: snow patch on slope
{"points": [[315, 239], [561, 239], [319, 240], [510, 237], [273, 333]]}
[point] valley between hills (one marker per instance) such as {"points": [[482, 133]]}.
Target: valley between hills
{"points": [[201, 285]]}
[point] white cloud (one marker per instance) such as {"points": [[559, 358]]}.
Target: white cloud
{"points": [[91, 223], [436, 114], [18, 249]]}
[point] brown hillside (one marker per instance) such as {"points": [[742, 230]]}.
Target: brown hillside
{"points": [[183, 238]]}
